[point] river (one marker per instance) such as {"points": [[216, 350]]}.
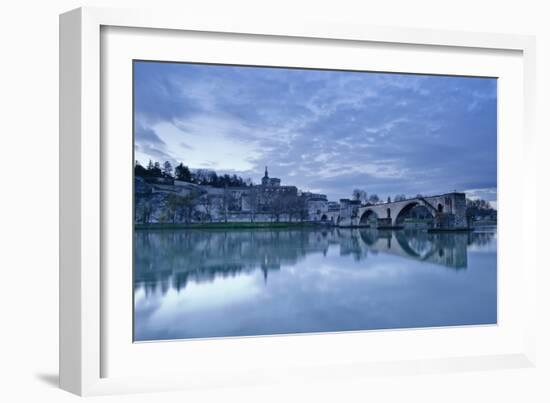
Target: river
{"points": [[199, 283]]}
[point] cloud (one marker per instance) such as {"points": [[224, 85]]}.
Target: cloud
{"points": [[327, 130], [149, 145], [489, 194]]}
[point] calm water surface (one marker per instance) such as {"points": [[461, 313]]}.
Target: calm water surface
{"points": [[210, 283]]}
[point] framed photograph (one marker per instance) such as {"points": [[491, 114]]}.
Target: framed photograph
{"points": [[249, 201]]}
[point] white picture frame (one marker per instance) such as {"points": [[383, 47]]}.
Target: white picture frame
{"points": [[87, 312]]}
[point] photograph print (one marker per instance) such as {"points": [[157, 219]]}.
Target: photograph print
{"points": [[273, 201]]}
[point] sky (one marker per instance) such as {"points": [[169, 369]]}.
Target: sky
{"points": [[322, 131]]}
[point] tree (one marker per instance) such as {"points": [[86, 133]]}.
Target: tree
{"points": [[253, 203], [182, 173], [139, 170], [277, 205], [292, 205], [399, 197], [208, 203], [374, 199], [478, 207], [226, 203], [144, 211], [225, 180], [301, 206], [181, 207], [479, 204], [153, 170], [167, 169], [212, 178], [359, 195]]}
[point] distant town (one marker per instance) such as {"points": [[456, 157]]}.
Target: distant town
{"points": [[178, 196]]}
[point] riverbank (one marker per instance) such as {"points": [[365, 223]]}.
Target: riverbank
{"points": [[485, 223], [225, 225]]}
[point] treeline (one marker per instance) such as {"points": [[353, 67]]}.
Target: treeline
{"points": [[479, 207], [183, 173], [364, 198]]}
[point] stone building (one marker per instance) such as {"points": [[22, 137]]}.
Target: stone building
{"points": [[317, 206], [267, 181], [185, 202]]}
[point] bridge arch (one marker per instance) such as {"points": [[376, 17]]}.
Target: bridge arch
{"points": [[369, 217], [406, 209]]}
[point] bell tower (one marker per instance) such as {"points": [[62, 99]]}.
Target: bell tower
{"points": [[265, 179]]}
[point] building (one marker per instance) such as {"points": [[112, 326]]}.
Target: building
{"points": [[185, 202], [317, 206], [267, 181]]}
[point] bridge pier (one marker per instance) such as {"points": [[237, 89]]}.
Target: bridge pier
{"points": [[388, 223]]}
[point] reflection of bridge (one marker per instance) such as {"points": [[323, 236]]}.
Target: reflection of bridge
{"points": [[448, 211], [442, 248]]}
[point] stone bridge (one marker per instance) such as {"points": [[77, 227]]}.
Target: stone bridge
{"points": [[448, 211]]}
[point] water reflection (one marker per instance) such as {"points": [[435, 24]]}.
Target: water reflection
{"points": [[162, 257], [206, 283]]}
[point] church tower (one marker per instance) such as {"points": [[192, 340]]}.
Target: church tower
{"points": [[265, 179]]}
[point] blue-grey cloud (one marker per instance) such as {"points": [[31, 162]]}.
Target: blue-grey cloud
{"points": [[327, 131]]}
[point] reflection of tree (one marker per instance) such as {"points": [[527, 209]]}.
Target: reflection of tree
{"points": [[480, 238], [351, 244], [203, 255], [167, 259]]}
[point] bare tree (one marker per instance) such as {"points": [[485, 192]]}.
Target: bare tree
{"points": [[143, 212], [359, 195], [399, 197], [292, 206], [254, 203], [277, 205], [226, 200], [374, 199], [208, 204], [167, 169], [181, 207], [300, 208]]}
